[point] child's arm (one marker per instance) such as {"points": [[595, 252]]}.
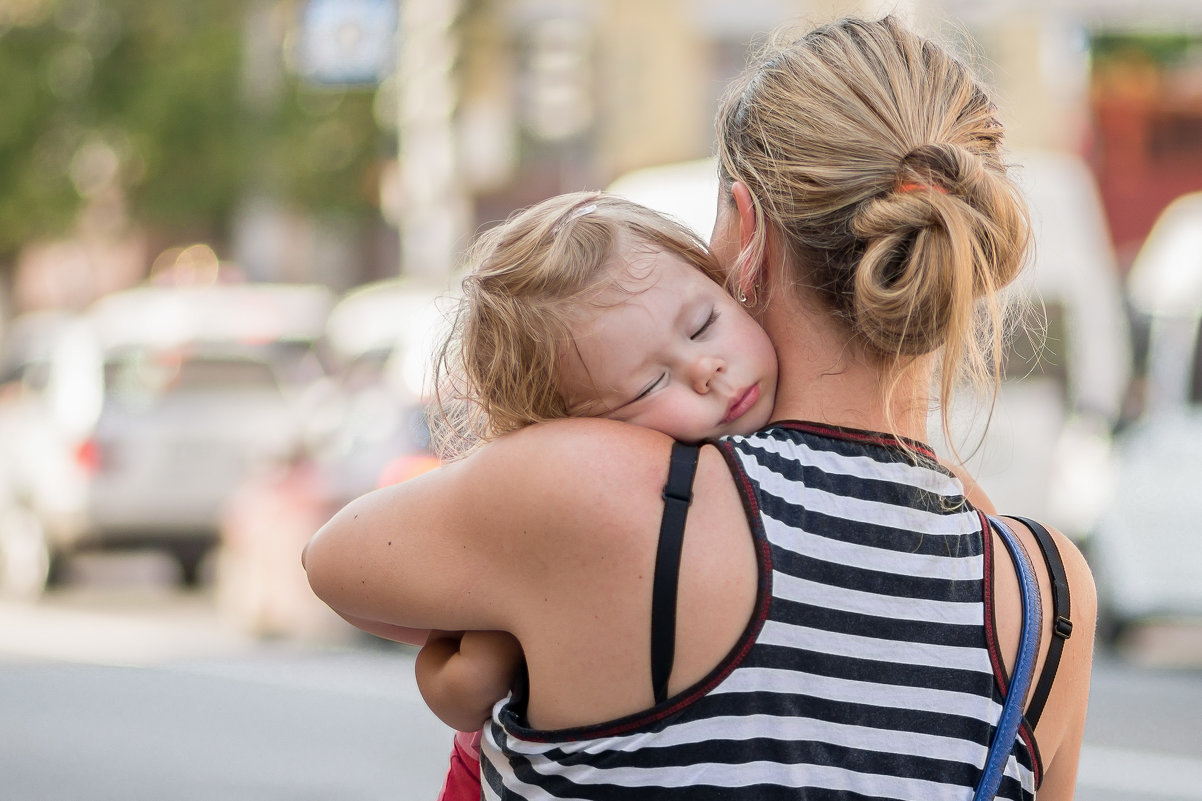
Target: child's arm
{"points": [[462, 674]]}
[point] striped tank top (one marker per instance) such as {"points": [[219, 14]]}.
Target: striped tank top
{"points": [[868, 671]]}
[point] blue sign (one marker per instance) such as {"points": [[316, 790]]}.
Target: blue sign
{"points": [[348, 42]]}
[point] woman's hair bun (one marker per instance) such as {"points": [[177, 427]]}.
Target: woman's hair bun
{"points": [[932, 245], [903, 287], [944, 167]]}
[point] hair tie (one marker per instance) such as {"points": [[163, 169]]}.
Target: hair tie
{"points": [[580, 211], [912, 187]]}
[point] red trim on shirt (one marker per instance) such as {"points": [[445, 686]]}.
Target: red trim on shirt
{"points": [[857, 435]]}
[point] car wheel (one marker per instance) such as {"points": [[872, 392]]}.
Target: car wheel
{"points": [[59, 572], [1112, 627], [191, 560], [24, 555]]}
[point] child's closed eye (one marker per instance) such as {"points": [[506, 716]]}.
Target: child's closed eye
{"points": [[709, 321], [648, 389]]}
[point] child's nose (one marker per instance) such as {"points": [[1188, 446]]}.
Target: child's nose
{"points": [[705, 369]]}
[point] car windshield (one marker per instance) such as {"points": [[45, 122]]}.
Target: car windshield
{"points": [[143, 376]]}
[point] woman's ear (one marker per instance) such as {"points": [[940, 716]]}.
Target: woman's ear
{"points": [[745, 210], [748, 279]]}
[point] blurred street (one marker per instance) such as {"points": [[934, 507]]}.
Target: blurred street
{"points": [[141, 692]]}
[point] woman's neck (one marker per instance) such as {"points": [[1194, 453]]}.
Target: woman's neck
{"points": [[825, 378]]}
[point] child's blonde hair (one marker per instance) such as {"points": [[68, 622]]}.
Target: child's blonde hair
{"points": [[876, 156], [499, 367]]}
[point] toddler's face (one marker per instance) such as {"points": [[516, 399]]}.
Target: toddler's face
{"points": [[670, 350]]}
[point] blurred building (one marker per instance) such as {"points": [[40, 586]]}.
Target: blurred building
{"points": [[560, 95], [499, 103]]}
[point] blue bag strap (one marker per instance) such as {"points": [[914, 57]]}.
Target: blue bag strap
{"points": [[1024, 667]]}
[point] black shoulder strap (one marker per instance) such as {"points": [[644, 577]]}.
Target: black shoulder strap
{"points": [[1062, 626], [678, 493]]}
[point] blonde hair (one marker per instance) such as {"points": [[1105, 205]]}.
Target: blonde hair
{"points": [[499, 367], [876, 157]]}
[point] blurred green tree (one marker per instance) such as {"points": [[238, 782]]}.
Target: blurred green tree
{"points": [[153, 99], [1163, 49]]}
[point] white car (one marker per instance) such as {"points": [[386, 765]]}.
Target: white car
{"points": [[157, 402], [369, 429], [44, 418], [1147, 549], [381, 339]]}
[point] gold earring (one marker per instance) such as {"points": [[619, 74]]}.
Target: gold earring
{"points": [[749, 301]]}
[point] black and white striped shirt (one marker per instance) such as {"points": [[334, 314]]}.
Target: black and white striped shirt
{"points": [[868, 671]]}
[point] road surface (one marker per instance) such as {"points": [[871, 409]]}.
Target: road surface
{"points": [[143, 693]]}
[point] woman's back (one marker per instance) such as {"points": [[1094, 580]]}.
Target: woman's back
{"points": [[866, 666]]}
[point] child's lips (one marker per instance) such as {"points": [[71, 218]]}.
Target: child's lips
{"points": [[742, 404]]}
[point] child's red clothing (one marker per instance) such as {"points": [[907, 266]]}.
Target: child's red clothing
{"points": [[463, 776]]}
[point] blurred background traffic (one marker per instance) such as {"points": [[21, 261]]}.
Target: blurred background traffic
{"points": [[229, 231]]}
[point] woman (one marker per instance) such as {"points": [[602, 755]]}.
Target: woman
{"points": [[834, 628]]}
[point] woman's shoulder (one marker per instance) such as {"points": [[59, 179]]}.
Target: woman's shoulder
{"points": [[567, 479], [581, 435], [561, 469], [573, 454], [1062, 727]]}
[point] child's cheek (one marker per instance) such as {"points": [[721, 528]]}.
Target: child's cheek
{"points": [[662, 417]]}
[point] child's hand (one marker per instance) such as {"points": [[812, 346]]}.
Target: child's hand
{"points": [[461, 675]]}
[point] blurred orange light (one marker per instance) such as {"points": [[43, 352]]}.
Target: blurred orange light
{"points": [[87, 455], [404, 468]]}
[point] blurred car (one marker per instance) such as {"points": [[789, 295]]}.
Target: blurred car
{"points": [[200, 383], [381, 339], [1147, 548], [157, 402], [47, 365], [368, 430], [1045, 449]]}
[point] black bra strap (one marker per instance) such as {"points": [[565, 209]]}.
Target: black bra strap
{"points": [[678, 493], [1062, 627]]}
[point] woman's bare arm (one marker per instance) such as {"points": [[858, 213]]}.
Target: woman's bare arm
{"points": [[471, 546], [406, 555]]}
